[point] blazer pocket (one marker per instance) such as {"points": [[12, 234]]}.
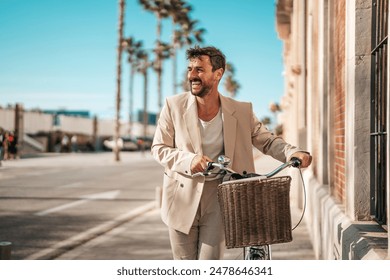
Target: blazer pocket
{"points": [[170, 186]]}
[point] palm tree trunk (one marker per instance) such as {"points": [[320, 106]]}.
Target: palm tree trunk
{"points": [[145, 113], [131, 100], [174, 67], [174, 59], [118, 79], [159, 86], [159, 65]]}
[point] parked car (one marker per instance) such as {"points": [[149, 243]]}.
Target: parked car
{"points": [[124, 144]]}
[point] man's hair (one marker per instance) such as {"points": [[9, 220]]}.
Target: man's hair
{"points": [[217, 58]]}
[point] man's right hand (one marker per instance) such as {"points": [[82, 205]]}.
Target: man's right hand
{"points": [[199, 163]]}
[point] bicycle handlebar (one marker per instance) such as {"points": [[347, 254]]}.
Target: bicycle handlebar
{"points": [[294, 162]]}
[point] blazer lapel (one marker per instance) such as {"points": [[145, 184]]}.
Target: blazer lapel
{"points": [[191, 123], [229, 127]]}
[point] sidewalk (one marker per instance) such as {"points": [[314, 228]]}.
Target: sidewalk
{"points": [[146, 238]]}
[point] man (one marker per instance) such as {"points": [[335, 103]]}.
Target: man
{"points": [[193, 129]]}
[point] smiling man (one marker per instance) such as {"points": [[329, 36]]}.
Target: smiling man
{"points": [[194, 128]]}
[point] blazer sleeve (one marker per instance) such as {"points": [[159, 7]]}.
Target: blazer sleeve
{"points": [[268, 143], [164, 149]]}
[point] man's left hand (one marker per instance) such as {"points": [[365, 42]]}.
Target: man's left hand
{"points": [[304, 157]]}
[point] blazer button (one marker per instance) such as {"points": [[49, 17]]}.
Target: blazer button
{"points": [[186, 171], [182, 185]]}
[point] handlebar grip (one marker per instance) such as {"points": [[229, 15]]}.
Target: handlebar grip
{"points": [[206, 171], [295, 162], [209, 167]]}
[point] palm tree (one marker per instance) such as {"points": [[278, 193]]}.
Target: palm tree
{"points": [[275, 108], [186, 35], [184, 83], [133, 48], [179, 13], [178, 10], [231, 85], [118, 78], [266, 121], [190, 33], [279, 130], [142, 68], [160, 9]]}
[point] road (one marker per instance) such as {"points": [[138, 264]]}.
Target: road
{"points": [[51, 204]]}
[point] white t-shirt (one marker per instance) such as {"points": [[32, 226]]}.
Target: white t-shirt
{"points": [[212, 139]]}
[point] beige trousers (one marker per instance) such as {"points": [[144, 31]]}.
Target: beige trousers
{"points": [[206, 239]]}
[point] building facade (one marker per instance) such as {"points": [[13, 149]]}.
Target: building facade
{"points": [[336, 105]]}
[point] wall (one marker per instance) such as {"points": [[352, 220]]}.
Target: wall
{"points": [[333, 80]]}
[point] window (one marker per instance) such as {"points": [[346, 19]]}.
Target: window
{"points": [[379, 97]]}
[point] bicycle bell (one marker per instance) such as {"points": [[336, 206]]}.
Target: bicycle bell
{"points": [[224, 160]]}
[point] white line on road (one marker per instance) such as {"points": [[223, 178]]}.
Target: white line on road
{"points": [[42, 172], [104, 195], [4, 175], [77, 240], [70, 255], [71, 185]]}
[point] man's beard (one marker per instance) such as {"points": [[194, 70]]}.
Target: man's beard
{"points": [[203, 91]]}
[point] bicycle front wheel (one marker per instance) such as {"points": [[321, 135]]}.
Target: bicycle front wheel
{"points": [[257, 252]]}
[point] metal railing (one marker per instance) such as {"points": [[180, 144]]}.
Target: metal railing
{"points": [[379, 112]]}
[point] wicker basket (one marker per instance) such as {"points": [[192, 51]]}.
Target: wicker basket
{"points": [[256, 211]]}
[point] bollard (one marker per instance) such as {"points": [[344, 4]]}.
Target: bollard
{"points": [[5, 250]]}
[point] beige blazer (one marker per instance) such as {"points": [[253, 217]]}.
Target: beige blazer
{"points": [[177, 140]]}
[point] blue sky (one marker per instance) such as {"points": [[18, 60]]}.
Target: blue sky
{"points": [[62, 54]]}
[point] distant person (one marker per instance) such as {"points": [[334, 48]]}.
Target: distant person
{"points": [[89, 146], [13, 145], [57, 145], [74, 143], [5, 145], [65, 144], [194, 128]]}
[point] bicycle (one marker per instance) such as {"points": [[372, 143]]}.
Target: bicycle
{"points": [[258, 249]]}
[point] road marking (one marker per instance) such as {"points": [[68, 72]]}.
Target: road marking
{"points": [[84, 199], [71, 185], [33, 173], [91, 244], [42, 172], [77, 240]]}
